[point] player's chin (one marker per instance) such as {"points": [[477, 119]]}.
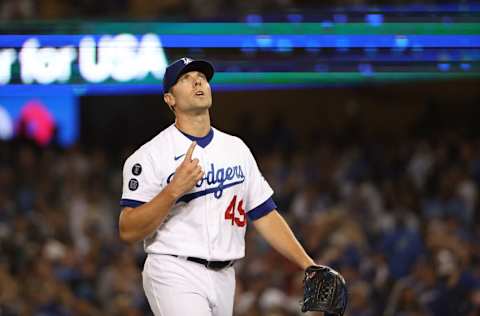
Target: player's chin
{"points": [[203, 104], [199, 108]]}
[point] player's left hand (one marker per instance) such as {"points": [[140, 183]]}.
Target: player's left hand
{"points": [[324, 290]]}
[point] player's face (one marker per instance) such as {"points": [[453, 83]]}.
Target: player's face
{"points": [[192, 92]]}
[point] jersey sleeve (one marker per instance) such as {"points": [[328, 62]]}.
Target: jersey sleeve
{"points": [[259, 192], [140, 183]]}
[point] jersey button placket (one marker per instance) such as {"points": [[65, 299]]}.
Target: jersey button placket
{"points": [[205, 202]]}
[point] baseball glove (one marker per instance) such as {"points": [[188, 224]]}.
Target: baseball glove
{"points": [[324, 290]]}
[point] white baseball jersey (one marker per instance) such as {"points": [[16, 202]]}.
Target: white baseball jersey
{"points": [[208, 222]]}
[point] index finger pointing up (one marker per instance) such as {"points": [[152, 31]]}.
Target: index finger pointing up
{"points": [[188, 156]]}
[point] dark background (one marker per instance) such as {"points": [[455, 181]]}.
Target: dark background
{"points": [[382, 110]]}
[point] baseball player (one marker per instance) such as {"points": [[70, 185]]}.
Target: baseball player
{"points": [[188, 194]]}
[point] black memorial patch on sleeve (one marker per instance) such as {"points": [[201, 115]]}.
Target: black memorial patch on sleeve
{"points": [[133, 184], [137, 169]]}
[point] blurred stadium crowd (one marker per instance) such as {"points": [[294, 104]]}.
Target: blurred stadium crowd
{"points": [[399, 219], [170, 9]]}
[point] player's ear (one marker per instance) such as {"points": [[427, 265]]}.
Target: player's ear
{"points": [[169, 100]]}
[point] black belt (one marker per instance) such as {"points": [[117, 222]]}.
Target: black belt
{"points": [[213, 265]]}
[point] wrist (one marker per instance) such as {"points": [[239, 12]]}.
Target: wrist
{"points": [[171, 193], [307, 263]]}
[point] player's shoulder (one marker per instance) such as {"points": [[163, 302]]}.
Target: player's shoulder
{"points": [[150, 148], [229, 138]]}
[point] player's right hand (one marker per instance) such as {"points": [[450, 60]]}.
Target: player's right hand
{"points": [[187, 174]]}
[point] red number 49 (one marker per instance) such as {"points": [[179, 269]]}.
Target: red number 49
{"points": [[230, 213]]}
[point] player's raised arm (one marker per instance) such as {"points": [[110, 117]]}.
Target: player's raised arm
{"points": [[137, 223]]}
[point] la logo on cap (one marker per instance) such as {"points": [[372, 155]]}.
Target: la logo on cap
{"points": [[186, 60]]}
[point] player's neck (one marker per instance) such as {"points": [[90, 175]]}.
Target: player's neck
{"points": [[197, 126]]}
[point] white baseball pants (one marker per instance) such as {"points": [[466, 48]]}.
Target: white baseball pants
{"points": [[177, 287]]}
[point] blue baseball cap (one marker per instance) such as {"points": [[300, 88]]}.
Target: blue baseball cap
{"points": [[184, 65]]}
